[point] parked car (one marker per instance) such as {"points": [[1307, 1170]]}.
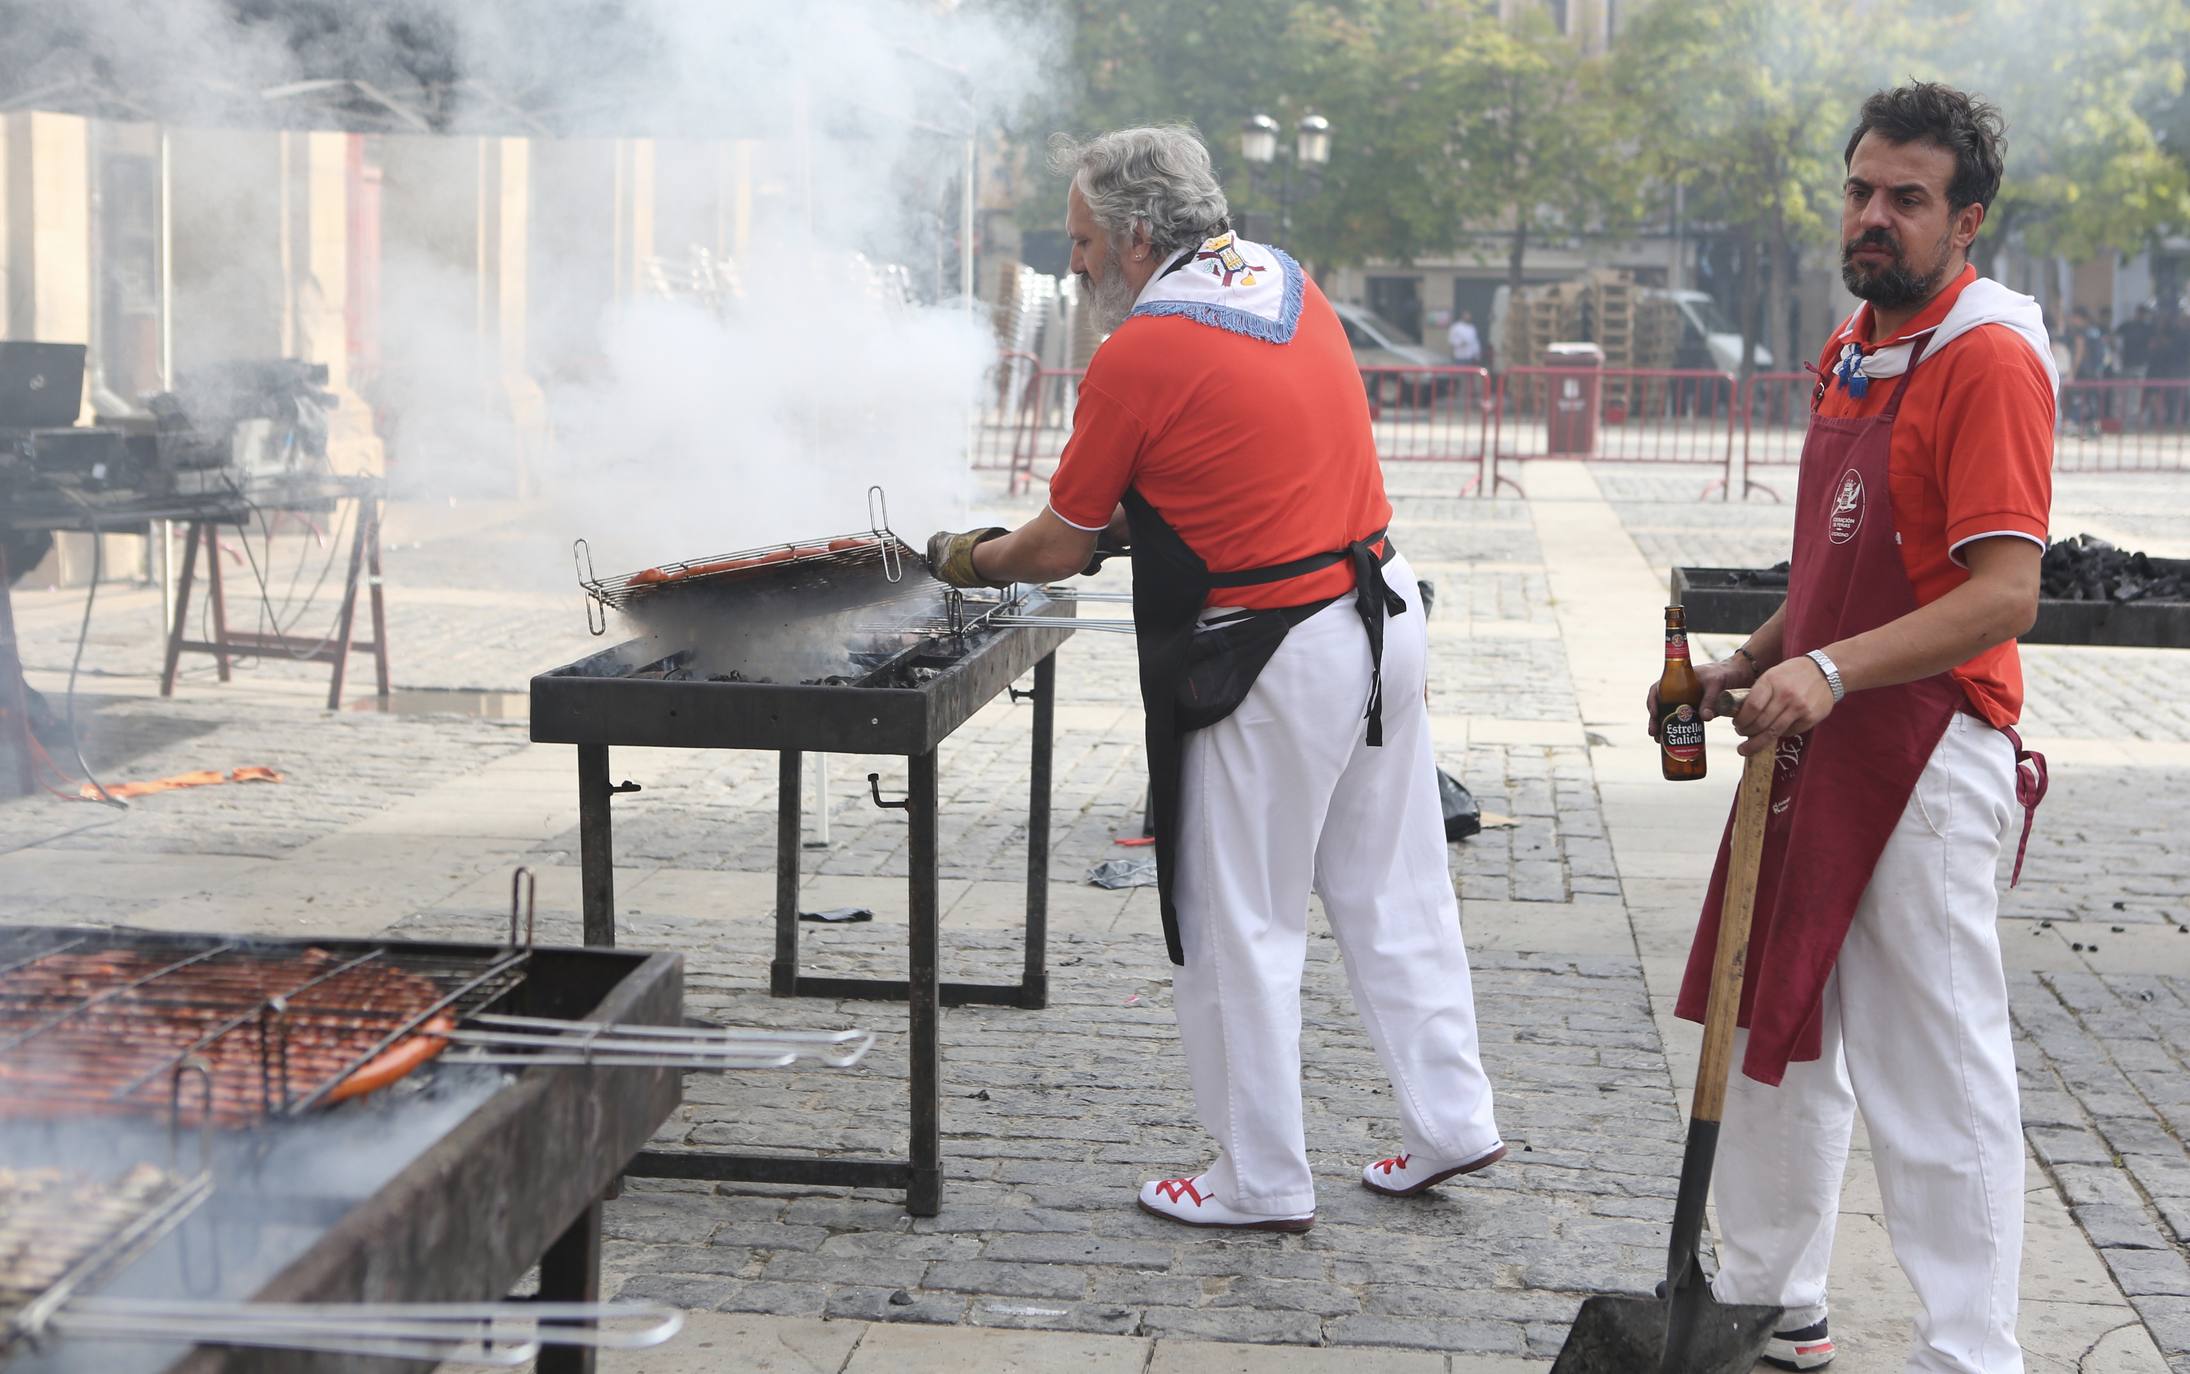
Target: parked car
{"points": [[1378, 344], [1708, 337]]}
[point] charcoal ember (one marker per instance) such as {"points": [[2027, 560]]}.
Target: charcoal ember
{"points": [[2084, 568], [1774, 576]]}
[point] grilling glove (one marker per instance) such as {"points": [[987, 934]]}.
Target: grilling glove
{"points": [[950, 556]]}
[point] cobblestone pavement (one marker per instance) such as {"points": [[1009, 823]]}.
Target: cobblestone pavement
{"points": [[411, 821], [2106, 1105], [1053, 1118]]}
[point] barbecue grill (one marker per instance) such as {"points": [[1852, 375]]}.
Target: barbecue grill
{"points": [[877, 659], [215, 1169]]}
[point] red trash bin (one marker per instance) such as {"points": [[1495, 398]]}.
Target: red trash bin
{"points": [[1570, 418]]}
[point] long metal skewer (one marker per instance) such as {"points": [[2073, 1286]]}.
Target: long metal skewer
{"points": [[504, 1334]]}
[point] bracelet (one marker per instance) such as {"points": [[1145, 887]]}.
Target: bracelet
{"points": [[1756, 669], [1826, 666]]}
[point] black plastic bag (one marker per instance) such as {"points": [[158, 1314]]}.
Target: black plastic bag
{"points": [[1462, 816]]}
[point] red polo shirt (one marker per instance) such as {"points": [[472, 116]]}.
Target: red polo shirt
{"points": [[1256, 453], [1972, 458]]}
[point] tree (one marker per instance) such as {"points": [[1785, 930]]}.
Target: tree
{"points": [[1755, 140], [1541, 134], [1445, 119], [2081, 87]]}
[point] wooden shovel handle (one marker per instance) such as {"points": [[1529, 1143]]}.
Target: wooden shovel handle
{"points": [[1736, 906]]}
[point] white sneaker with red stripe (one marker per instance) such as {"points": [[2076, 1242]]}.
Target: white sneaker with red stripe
{"points": [[1809, 1348], [1187, 1200], [1406, 1175]]}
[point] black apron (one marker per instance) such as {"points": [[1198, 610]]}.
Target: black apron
{"points": [[1187, 685]]}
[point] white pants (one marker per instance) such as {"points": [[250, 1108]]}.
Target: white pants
{"points": [[1284, 795], [1916, 1034]]}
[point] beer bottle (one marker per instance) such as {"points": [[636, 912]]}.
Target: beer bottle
{"points": [[1680, 705]]}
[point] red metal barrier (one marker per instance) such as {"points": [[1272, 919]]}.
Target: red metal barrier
{"points": [[1005, 392], [2123, 426], [1430, 414], [1775, 415], [1043, 423], [1437, 414], [2101, 426], [1615, 415]]}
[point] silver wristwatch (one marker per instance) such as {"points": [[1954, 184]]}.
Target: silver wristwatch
{"points": [[1832, 673]]}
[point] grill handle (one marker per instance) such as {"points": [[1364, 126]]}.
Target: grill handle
{"points": [[878, 521], [581, 554], [1061, 622], [523, 1040], [500, 1335]]}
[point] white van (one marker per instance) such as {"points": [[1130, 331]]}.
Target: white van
{"points": [[1709, 338]]}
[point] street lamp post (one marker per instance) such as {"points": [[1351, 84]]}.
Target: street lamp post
{"points": [[1258, 143]]}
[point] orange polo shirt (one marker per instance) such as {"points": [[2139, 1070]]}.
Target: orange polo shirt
{"points": [[1972, 458], [1256, 453]]}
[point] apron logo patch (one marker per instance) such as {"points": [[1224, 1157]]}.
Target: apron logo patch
{"points": [[1788, 756], [1847, 515]]}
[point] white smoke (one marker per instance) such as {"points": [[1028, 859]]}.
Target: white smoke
{"points": [[819, 141]]}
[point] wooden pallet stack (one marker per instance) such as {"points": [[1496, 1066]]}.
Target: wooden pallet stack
{"points": [[1657, 345], [1547, 314], [1605, 307], [1611, 298]]}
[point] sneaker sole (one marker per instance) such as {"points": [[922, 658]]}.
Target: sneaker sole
{"points": [[1288, 1224], [1800, 1363], [1434, 1179]]}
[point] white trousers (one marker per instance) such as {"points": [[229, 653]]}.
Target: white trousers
{"points": [[1916, 1033], [1284, 795]]}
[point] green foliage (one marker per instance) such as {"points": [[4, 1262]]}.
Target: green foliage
{"points": [[1457, 132], [2080, 85], [1746, 103]]}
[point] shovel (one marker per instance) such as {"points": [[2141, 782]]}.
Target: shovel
{"points": [[1687, 1331]]}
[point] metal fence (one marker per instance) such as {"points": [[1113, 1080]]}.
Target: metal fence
{"points": [[1616, 415], [1006, 392], [1612, 415], [2100, 427], [2123, 426]]}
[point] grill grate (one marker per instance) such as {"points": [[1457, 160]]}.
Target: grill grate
{"points": [[878, 544], [60, 1229], [102, 1024]]}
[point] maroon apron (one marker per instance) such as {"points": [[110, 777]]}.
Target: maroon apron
{"points": [[1839, 790]]}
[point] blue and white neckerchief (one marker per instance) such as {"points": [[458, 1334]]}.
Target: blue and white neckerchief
{"points": [[1849, 370]]}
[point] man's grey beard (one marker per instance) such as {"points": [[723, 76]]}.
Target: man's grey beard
{"points": [[1111, 299], [1896, 287]]}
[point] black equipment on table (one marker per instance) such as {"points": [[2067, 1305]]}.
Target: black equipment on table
{"points": [[41, 384]]}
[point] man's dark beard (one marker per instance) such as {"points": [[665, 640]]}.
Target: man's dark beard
{"points": [[1894, 287]]}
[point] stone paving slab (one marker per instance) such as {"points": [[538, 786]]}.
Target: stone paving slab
{"points": [[1577, 919], [1053, 1118]]}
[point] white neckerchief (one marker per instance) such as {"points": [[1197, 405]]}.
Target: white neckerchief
{"points": [[1227, 282], [1983, 301]]}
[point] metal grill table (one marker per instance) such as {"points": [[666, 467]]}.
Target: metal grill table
{"points": [[597, 703], [450, 1190]]}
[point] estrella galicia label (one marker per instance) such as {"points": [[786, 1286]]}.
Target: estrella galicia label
{"points": [[1680, 732]]}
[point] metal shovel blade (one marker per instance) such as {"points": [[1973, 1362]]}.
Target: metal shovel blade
{"points": [[1688, 1333]]}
